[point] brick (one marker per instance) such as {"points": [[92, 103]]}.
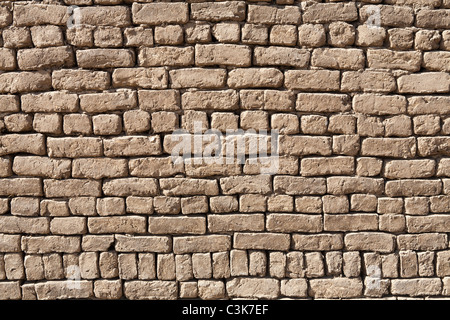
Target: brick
{"points": [[7, 59], [74, 147], [184, 186], [235, 222], [101, 102], [9, 243], [305, 145], [255, 77], [389, 147], [22, 143], [273, 15], [319, 102], [160, 13], [177, 225], [222, 54], [222, 11], [197, 78], [262, 241], [433, 18], [433, 223], [370, 241], [347, 185], [246, 184], [416, 287], [160, 244], [50, 102], [281, 56], [216, 100], [390, 16], [151, 78], [36, 59], [327, 166], [335, 288], [430, 60], [42, 167], [413, 187], [71, 188], [207, 243], [117, 224], [50, 244], [36, 14], [132, 146], [99, 168], [117, 16], [312, 80], [329, 12], [166, 56], [426, 82], [154, 290], [387, 59], [419, 105], [15, 82], [130, 187], [351, 222], [21, 187], [154, 167], [407, 169], [253, 287], [105, 58], [379, 105], [288, 223], [429, 241], [342, 59]]}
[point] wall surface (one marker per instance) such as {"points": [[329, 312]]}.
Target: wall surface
{"points": [[338, 185]]}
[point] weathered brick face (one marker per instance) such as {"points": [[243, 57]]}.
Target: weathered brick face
{"points": [[94, 100]]}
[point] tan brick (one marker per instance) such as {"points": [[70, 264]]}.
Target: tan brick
{"points": [[281, 56], [433, 18], [413, 187], [312, 80], [132, 146], [25, 15], [335, 288], [21, 187], [207, 243], [389, 147], [370, 241], [329, 12], [311, 35], [177, 225], [319, 102], [36, 59], [221, 11], [327, 166], [253, 288], [293, 223], [184, 186], [255, 77], [235, 222], [126, 243], [387, 59], [272, 15], [262, 241], [118, 16], [14, 82], [71, 188], [342, 59], [151, 78], [416, 287], [9, 243], [431, 60], [160, 13], [74, 147], [426, 82], [428, 104], [42, 167], [166, 56], [401, 169], [197, 78], [429, 241], [130, 187], [50, 244], [351, 222], [216, 100], [222, 54], [105, 58], [379, 105]]}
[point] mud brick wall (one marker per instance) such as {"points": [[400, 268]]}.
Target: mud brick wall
{"points": [[92, 205]]}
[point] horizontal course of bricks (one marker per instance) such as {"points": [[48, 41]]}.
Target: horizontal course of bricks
{"points": [[93, 206]]}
